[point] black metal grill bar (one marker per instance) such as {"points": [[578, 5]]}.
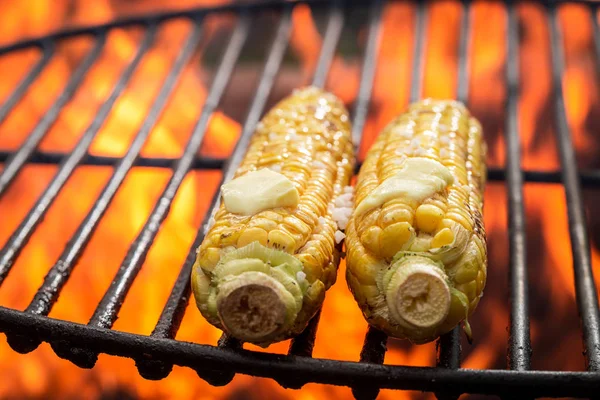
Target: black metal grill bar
{"points": [[342, 373], [335, 24], [585, 288], [363, 99], [303, 344], [464, 42], [519, 349], [67, 166], [107, 310], [156, 354], [594, 18], [372, 349], [588, 178], [174, 309], [418, 61], [47, 53], [60, 272], [448, 346], [270, 72], [20, 157], [199, 12]]}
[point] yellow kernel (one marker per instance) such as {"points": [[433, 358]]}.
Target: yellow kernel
{"points": [[250, 235], [263, 223], [209, 258], [469, 289], [395, 215], [480, 281], [280, 240], [428, 217], [442, 238], [458, 310], [446, 223], [394, 237], [466, 272], [370, 239]]}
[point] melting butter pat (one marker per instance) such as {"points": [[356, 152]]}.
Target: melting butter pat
{"points": [[418, 179], [257, 191]]}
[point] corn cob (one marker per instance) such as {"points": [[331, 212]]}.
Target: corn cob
{"points": [[416, 250], [262, 277]]}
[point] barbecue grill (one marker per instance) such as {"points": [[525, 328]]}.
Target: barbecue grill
{"points": [[156, 354]]}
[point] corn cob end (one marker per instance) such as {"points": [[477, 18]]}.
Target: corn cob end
{"points": [[254, 293], [252, 307], [417, 294]]}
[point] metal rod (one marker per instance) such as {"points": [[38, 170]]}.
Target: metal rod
{"points": [[19, 158], [304, 343], [418, 52], [47, 53], [448, 345], [519, 349], [335, 24], [108, 309], [172, 313], [53, 158], [67, 166], [462, 90], [373, 352], [588, 178], [276, 366], [371, 348], [585, 288], [594, 20], [61, 270], [367, 78]]}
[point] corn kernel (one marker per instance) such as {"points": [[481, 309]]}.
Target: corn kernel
{"points": [[250, 235], [280, 240], [443, 238], [209, 258], [394, 237], [428, 217], [370, 239], [396, 214], [466, 272]]}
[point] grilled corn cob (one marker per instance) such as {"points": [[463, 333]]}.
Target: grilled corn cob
{"points": [[416, 251], [262, 275]]}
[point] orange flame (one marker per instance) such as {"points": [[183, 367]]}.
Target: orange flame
{"points": [[41, 373]]}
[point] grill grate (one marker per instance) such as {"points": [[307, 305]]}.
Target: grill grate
{"points": [[156, 354]]}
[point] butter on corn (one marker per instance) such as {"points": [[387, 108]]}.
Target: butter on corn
{"points": [[416, 251], [258, 191], [263, 268]]}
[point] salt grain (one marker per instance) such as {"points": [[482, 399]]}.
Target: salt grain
{"points": [[339, 236], [300, 276]]}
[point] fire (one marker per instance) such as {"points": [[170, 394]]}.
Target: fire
{"points": [[41, 373]]}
